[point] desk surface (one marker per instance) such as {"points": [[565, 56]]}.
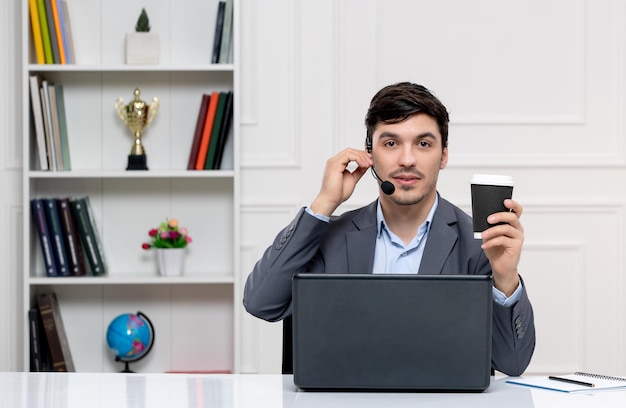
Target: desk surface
{"points": [[79, 390]]}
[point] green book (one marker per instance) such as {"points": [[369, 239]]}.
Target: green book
{"points": [[65, 144], [215, 132], [45, 32], [81, 209]]}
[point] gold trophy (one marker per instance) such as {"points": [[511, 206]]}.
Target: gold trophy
{"points": [[136, 116]]}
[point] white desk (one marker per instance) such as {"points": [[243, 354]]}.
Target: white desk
{"points": [[80, 390]]}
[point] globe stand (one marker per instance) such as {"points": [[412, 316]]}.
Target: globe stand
{"points": [[126, 367]]}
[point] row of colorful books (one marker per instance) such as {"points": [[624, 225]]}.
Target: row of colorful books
{"points": [[48, 106], [222, 40], [49, 347], [51, 32], [68, 236], [212, 128]]}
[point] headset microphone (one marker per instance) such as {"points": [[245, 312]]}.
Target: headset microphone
{"points": [[387, 186]]}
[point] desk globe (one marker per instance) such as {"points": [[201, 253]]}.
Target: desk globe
{"points": [[130, 337]]}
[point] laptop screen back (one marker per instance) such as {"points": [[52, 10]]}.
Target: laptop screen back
{"points": [[412, 332]]}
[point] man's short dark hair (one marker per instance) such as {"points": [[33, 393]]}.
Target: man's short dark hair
{"points": [[395, 103]]}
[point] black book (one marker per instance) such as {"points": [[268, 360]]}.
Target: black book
{"points": [[58, 246], [224, 130], [39, 351], [219, 25], [45, 239]]}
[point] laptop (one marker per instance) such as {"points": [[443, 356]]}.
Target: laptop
{"points": [[392, 332]]}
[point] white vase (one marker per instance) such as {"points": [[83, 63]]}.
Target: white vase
{"points": [[142, 48], [170, 261]]}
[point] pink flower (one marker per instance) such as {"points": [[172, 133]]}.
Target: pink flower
{"points": [[153, 232], [145, 246]]}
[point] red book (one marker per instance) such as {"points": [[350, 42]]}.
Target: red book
{"points": [[197, 137], [206, 131]]}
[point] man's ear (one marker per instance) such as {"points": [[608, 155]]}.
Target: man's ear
{"points": [[444, 159]]}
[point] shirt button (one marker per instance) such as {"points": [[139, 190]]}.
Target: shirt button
{"points": [[404, 254]]}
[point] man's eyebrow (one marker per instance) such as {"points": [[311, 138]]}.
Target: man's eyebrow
{"points": [[392, 135]]}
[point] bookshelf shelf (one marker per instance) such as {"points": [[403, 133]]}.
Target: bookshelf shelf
{"points": [[129, 175], [130, 68], [127, 204], [129, 279]]}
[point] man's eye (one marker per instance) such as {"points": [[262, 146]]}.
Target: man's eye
{"points": [[424, 143], [390, 143]]}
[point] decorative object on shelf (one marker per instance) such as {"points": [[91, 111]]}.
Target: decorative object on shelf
{"points": [[136, 116], [170, 261], [142, 46], [130, 337], [170, 240]]}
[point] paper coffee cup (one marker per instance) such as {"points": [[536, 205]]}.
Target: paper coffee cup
{"points": [[488, 194]]}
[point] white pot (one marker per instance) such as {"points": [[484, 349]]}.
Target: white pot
{"points": [[142, 48], [170, 261]]}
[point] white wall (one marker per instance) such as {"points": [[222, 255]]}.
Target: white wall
{"points": [[10, 187], [535, 89]]}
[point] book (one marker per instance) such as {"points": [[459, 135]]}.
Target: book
{"points": [[54, 328], [217, 38], [47, 122], [63, 136], [57, 29], [215, 132], [39, 351], [206, 131], [81, 210], [224, 131], [45, 239], [227, 33], [36, 31], [54, 126], [56, 236], [71, 238], [45, 32], [67, 29], [572, 383], [197, 136], [40, 133], [54, 43]]}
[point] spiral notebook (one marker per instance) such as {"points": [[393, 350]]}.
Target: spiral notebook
{"points": [[577, 382]]}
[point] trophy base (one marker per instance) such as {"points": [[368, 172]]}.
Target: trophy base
{"points": [[137, 162]]}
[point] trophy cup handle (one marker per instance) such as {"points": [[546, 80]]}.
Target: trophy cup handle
{"points": [[120, 108], [152, 110]]}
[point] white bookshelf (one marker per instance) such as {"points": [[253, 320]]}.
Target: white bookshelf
{"points": [[194, 314]]}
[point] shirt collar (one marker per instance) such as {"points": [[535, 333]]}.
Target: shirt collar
{"points": [[382, 224]]}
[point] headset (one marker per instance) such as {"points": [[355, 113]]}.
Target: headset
{"points": [[387, 186]]}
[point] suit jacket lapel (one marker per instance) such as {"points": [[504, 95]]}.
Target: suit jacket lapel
{"points": [[361, 242], [441, 239]]}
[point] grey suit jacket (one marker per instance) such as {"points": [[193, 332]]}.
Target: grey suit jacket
{"points": [[346, 245]]}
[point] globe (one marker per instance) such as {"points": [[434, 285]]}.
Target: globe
{"points": [[130, 337]]}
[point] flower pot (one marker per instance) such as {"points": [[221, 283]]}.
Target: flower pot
{"points": [[170, 261], [142, 48]]}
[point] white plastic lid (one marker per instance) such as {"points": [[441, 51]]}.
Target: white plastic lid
{"points": [[492, 180]]}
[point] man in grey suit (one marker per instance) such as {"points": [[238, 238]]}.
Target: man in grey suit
{"points": [[408, 229]]}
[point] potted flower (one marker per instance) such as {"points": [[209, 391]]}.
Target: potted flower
{"points": [[170, 242], [142, 46]]}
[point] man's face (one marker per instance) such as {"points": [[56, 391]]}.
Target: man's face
{"points": [[409, 154]]}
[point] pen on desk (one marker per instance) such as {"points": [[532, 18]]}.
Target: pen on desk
{"points": [[567, 380]]}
